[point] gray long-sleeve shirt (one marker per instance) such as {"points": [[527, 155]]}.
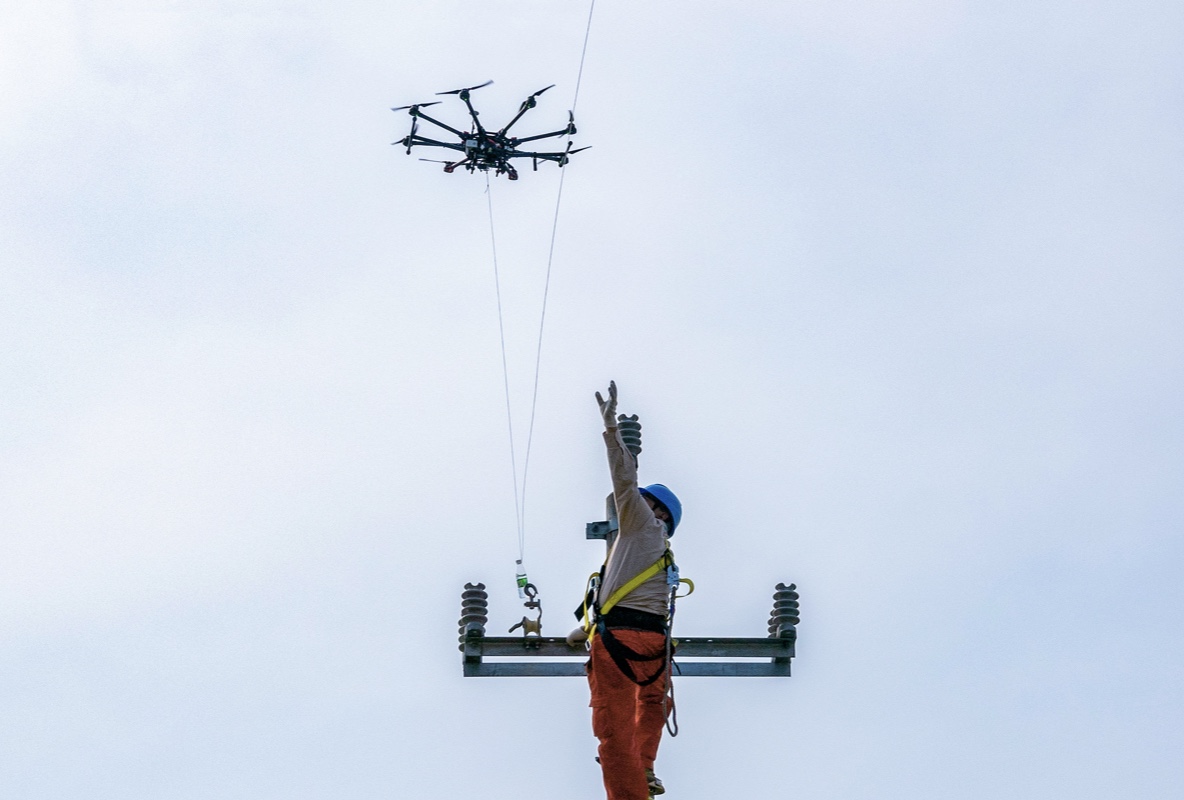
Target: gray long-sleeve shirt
{"points": [[641, 539]]}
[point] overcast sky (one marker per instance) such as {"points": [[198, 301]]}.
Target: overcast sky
{"points": [[895, 288]]}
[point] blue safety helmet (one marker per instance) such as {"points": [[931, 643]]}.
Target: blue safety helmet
{"points": [[668, 501]]}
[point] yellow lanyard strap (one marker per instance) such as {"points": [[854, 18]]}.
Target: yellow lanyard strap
{"points": [[653, 569]]}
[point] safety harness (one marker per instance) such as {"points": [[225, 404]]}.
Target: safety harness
{"points": [[594, 617]]}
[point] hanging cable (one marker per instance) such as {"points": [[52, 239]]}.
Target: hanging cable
{"points": [[520, 489], [538, 356], [580, 74], [497, 285]]}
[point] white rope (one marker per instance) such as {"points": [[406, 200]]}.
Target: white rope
{"points": [[520, 490], [538, 356], [501, 328]]}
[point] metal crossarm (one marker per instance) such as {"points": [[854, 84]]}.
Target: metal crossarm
{"points": [[540, 656], [695, 656]]}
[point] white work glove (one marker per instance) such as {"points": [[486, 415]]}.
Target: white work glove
{"points": [[608, 409], [577, 637]]}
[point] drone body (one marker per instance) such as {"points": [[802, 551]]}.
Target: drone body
{"points": [[482, 149]]}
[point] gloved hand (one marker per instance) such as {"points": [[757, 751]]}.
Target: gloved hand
{"points": [[577, 637], [608, 409]]}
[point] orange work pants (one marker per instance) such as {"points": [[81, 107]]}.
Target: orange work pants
{"points": [[627, 718]]}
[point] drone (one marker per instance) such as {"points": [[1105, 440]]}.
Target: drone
{"points": [[483, 149]]}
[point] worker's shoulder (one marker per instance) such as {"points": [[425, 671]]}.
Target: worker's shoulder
{"points": [[644, 544]]}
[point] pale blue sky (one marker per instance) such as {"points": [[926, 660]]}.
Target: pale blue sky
{"points": [[895, 289]]}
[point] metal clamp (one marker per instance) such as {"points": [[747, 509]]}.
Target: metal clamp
{"points": [[531, 626]]}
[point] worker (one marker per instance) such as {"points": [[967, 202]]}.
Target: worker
{"points": [[627, 670]]}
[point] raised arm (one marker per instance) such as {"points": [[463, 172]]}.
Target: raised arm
{"points": [[621, 463]]}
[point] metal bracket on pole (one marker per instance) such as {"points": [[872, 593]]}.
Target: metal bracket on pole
{"points": [[606, 529]]}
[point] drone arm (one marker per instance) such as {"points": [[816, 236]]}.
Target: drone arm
{"points": [[517, 117], [414, 140], [437, 122], [543, 156], [568, 130], [472, 113], [527, 104], [558, 158]]}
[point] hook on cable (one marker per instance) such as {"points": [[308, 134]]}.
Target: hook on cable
{"points": [[531, 626]]}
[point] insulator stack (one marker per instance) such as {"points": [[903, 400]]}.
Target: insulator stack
{"points": [[784, 617], [474, 611], [630, 433]]}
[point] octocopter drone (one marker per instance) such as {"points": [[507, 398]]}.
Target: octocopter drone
{"points": [[482, 149]]}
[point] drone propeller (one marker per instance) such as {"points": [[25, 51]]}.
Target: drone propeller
{"points": [[417, 106], [469, 89], [530, 102], [569, 152]]}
